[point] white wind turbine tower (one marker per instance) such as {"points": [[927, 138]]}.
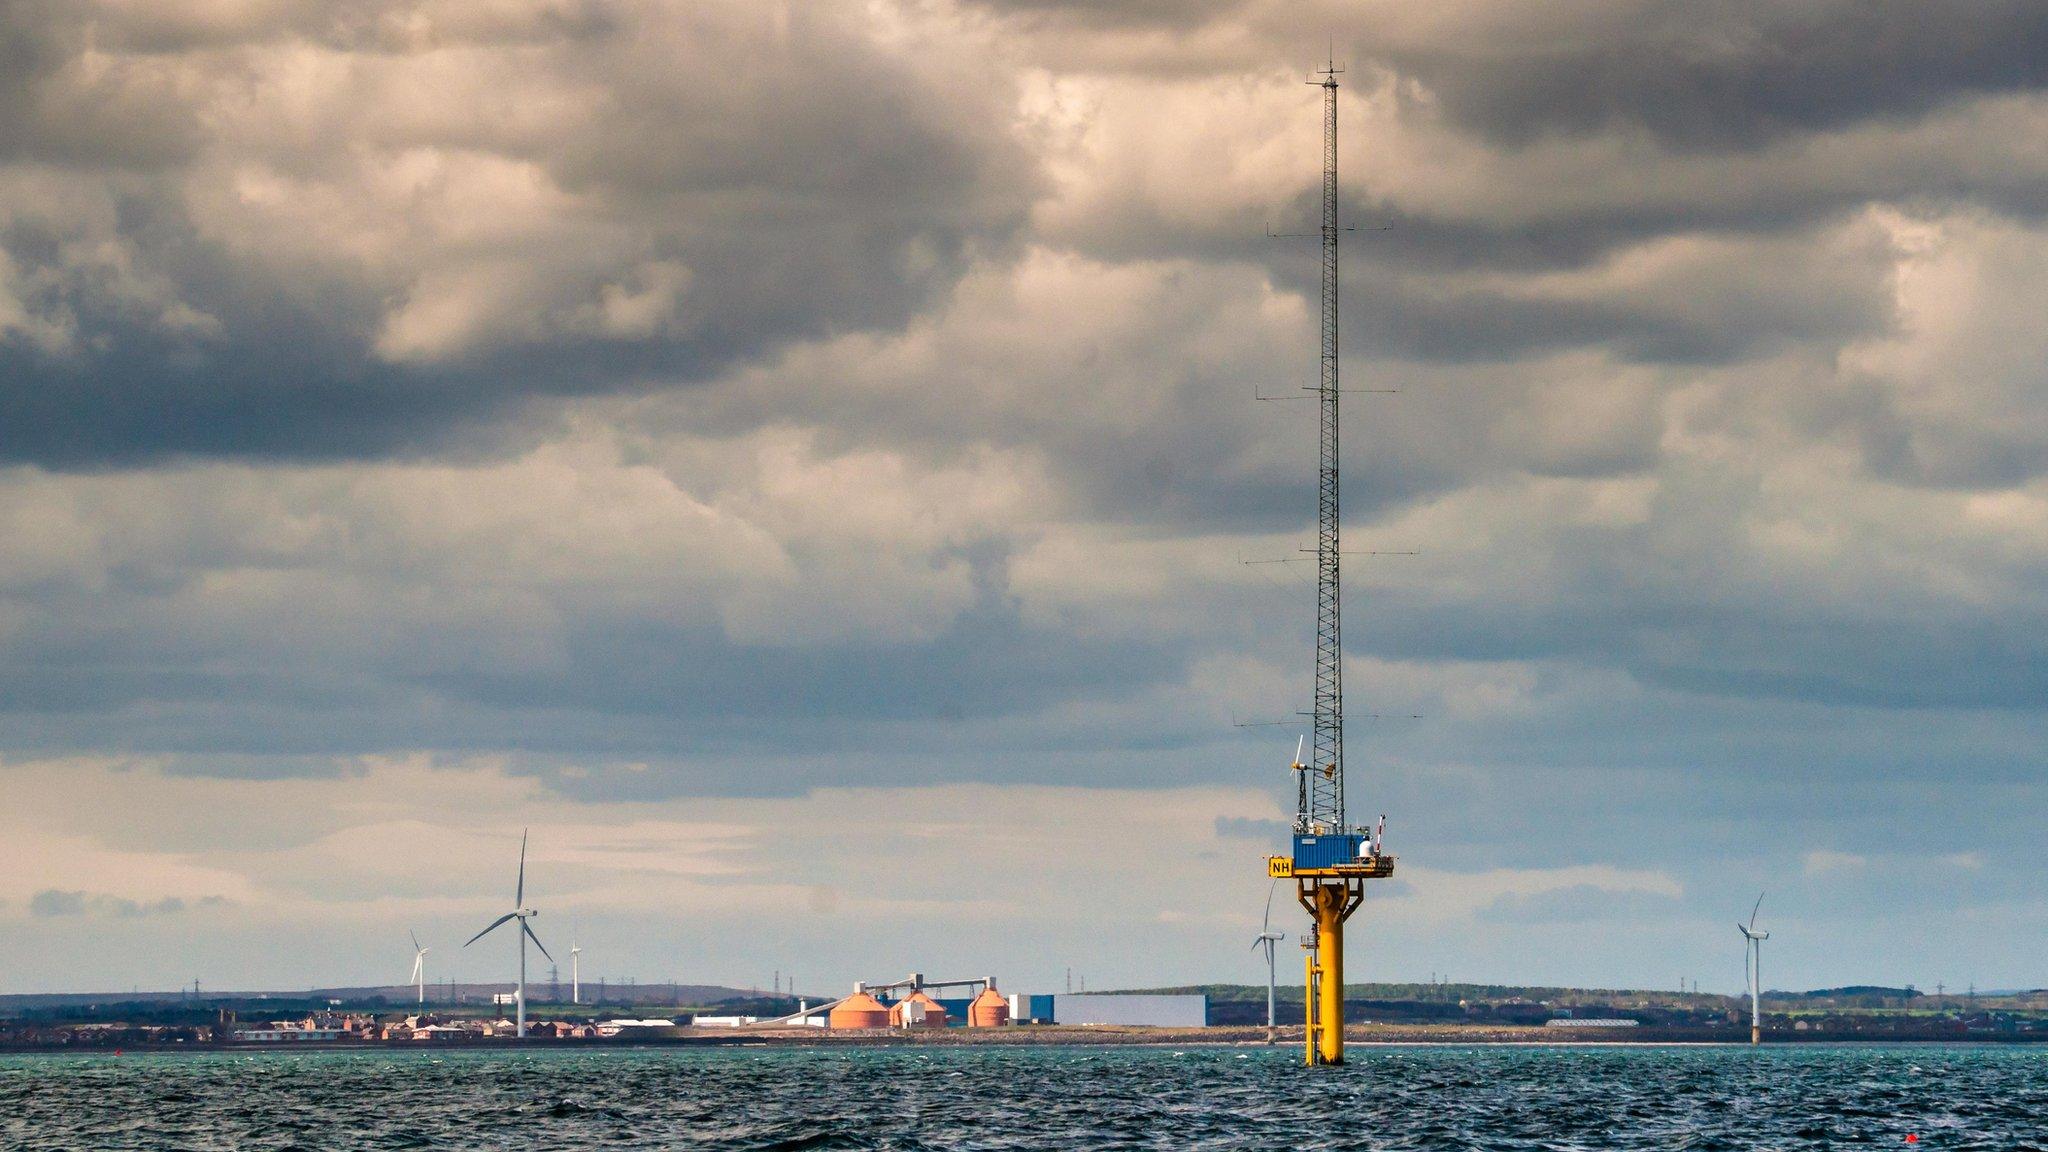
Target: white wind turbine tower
{"points": [[575, 972], [419, 966], [1753, 968], [522, 914], [1269, 938]]}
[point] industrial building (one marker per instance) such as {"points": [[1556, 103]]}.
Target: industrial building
{"points": [[1137, 1010], [916, 1007], [909, 1003]]}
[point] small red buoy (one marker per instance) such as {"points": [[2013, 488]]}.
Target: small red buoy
{"points": [[1912, 1137]]}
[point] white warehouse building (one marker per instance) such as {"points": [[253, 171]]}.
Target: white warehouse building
{"points": [[1191, 1011]]}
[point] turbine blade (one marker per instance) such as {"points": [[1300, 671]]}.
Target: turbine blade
{"points": [[1266, 925], [1752, 911], [519, 895], [528, 929], [415, 940], [488, 931]]}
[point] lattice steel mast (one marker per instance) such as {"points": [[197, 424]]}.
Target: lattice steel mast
{"points": [[1330, 861], [1321, 806]]}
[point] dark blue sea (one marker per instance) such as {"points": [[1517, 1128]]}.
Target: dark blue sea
{"points": [[1568, 1097]]}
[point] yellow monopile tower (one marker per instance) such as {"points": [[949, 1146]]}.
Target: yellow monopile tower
{"points": [[1329, 873], [1331, 860]]}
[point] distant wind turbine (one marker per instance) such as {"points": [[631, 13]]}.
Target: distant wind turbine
{"points": [[1268, 937], [522, 914], [575, 973], [419, 966], [1753, 968]]}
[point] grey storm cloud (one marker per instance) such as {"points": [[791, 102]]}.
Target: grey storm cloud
{"points": [[1713, 74], [596, 198], [334, 234], [837, 386], [1724, 74], [683, 404], [1603, 128]]}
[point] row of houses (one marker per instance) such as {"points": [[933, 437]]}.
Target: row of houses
{"points": [[99, 1035], [418, 1027], [431, 1028]]}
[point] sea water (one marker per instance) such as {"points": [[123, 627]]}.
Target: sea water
{"points": [[986, 1097]]}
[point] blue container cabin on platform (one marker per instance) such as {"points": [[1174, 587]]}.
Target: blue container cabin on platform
{"points": [[1326, 851]]}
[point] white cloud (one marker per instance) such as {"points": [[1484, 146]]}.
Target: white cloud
{"points": [[1824, 861], [358, 854], [1440, 897]]}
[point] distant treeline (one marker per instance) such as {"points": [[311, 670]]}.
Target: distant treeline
{"points": [[176, 1009], [1866, 996]]}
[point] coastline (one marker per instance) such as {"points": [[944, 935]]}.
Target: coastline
{"points": [[1365, 1035]]}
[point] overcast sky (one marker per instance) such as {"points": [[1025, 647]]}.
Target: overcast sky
{"points": [[799, 458]]}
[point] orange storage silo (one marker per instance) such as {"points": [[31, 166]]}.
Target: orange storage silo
{"points": [[934, 1015], [860, 1010], [989, 1010]]}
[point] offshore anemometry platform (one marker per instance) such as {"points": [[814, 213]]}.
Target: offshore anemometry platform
{"points": [[1331, 859]]}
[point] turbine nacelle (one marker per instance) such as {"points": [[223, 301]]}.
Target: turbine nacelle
{"points": [[1748, 930], [419, 963]]}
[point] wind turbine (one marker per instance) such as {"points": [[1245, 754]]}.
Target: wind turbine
{"points": [[575, 972], [1753, 968], [521, 913], [1268, 937], [419, 965]]}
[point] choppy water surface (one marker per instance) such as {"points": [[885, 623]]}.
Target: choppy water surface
{"points": [[1000, 1098]]}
